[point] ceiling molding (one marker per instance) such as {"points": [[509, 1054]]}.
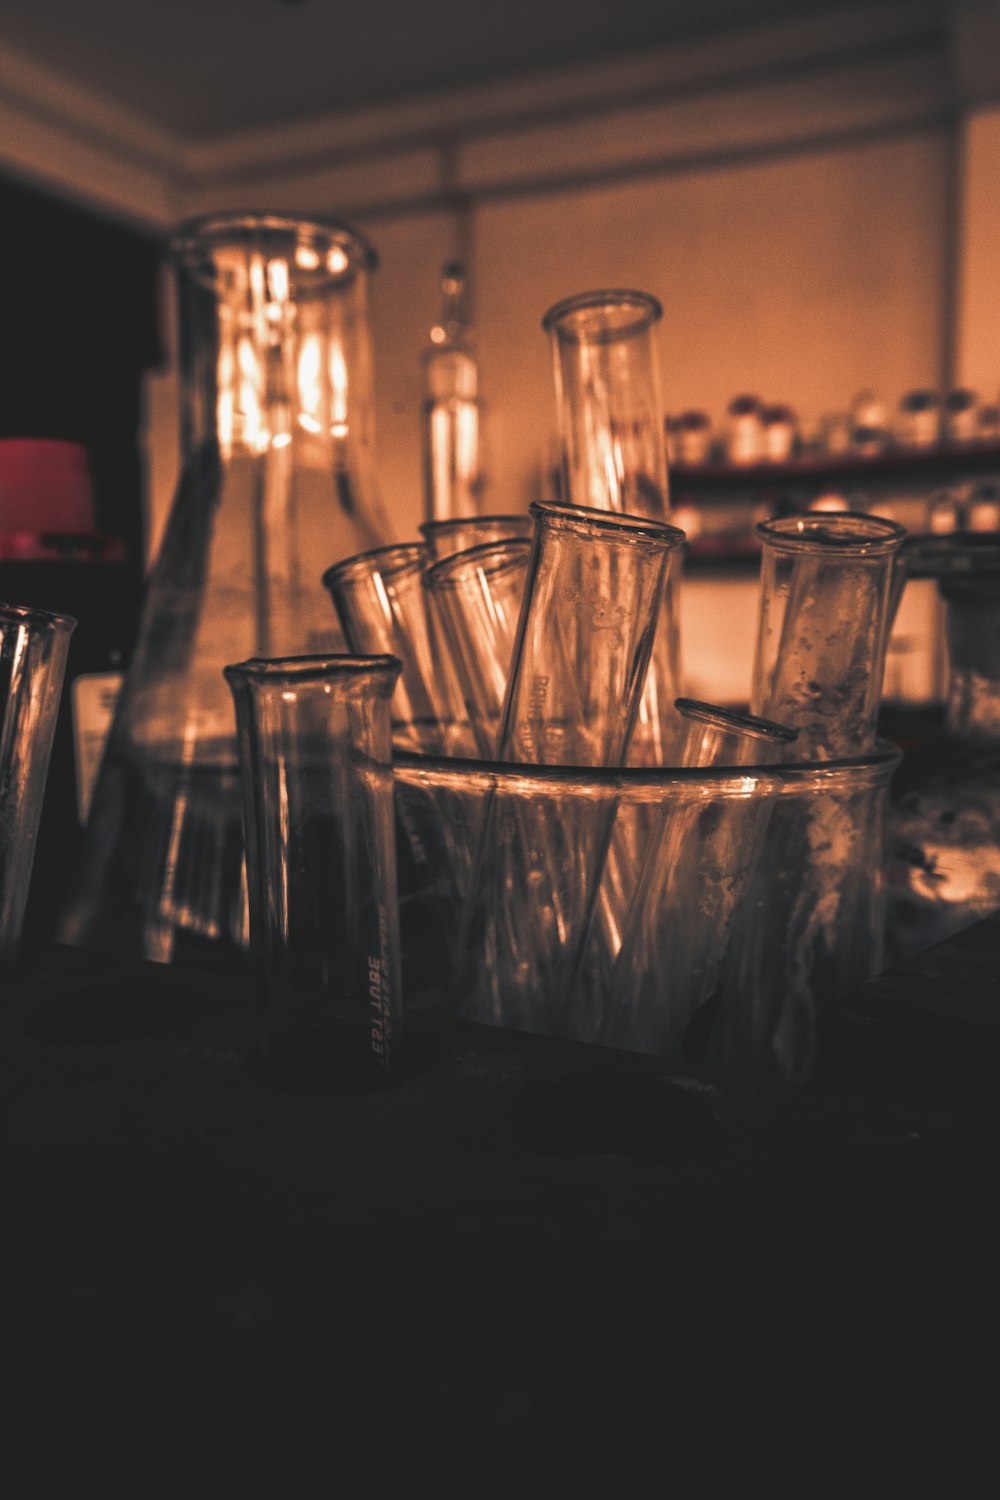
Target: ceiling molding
{"points": [[764, 86]]}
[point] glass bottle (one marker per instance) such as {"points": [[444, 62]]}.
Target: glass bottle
{"points": [[452, 479], [277, 483], [944, 820]]}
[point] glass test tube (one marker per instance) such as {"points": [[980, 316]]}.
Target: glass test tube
{"points": [[675, 925], [382, 605], [591, 600], [477, 595], [591, 603], [614, 456], [825, 599]]}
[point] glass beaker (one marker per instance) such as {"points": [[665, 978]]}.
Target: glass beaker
{"points": [[316, 774], [518, 982], [277, 482], [34, 644], [613, 450]]}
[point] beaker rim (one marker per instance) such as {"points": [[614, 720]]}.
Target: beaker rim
{"points": [[311, 668], [587, 517], [648, 308], [790, 776], [731, 718], [44, 619], [506, 550], [191, 236], [397, 556], [849, 533]]}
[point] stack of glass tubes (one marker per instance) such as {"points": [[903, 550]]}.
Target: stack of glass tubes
{"points": [[582, 851]]}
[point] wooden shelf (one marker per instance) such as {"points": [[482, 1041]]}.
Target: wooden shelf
{"points": [[943, 462]]}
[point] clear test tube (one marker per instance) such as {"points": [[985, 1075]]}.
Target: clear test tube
{"points": [[675, 925], [316, 775], [34, 644], [477, 595], [608, 405], [382, 606], [826, 597], [584, 637], [459, 533], [591, 603], [613, 450]]}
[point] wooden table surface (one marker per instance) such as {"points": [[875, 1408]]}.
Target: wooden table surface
{"points": [[523, 1244]]}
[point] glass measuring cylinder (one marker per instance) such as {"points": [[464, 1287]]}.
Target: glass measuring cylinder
{"points": [[826, 595], [316, 773], [591, 603]]}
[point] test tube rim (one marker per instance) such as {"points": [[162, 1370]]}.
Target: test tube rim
{"points": [[580, 518], [413, 556], [725, 718], [649, 307], [443, 572], [450, 524], [806, 532]]}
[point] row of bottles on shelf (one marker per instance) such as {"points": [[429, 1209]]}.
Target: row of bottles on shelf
{"points": [[755, 431]]}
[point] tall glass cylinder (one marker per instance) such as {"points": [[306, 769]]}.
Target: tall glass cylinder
{"points": [[608, 405], [825, 598], [277, 482], [316, 764], [612, 435], [587, 626]]}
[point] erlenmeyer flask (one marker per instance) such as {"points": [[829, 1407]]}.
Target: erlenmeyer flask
{"points": [[276, 485]]}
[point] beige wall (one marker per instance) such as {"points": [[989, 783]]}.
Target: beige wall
{"points": [[803, 279]]}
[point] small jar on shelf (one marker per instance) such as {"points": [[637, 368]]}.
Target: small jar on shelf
{"points": [[744, 430], [961, 416], [691, 437], [869, 427], [779, 433], [919, 424], [988, 423]]}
